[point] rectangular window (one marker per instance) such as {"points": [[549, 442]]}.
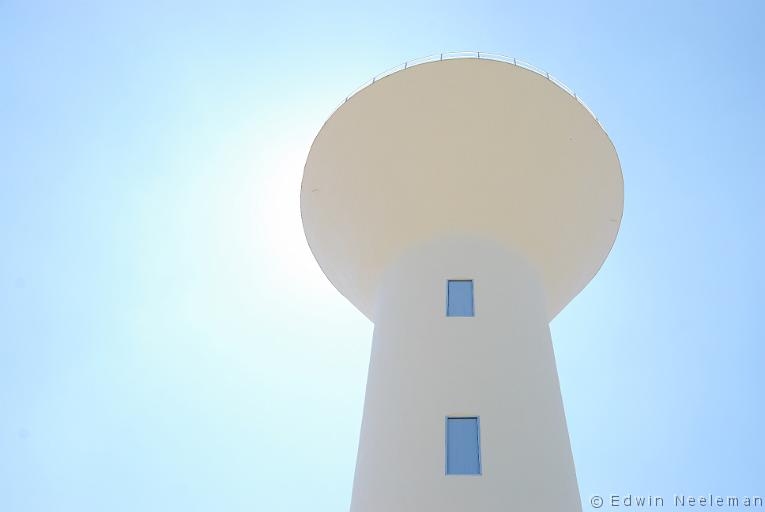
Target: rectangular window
{"points": [[463, 450], [459, 298]]}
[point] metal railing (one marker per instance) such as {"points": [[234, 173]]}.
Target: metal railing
{"points": [[472, 55]]}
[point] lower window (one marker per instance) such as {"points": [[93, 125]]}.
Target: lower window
{"points": [[463, 446]]}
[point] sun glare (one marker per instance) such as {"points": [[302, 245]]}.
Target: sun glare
{"points": [[280, 228]]}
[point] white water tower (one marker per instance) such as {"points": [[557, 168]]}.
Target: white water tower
{"points": [[460, 204]]}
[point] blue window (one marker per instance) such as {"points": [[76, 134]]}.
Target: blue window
{"points": [[463, 446], [459, 300]]}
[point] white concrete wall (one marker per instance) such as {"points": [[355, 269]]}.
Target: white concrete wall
{"points": [[498, 365]]}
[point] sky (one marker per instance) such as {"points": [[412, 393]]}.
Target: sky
{"points": [[167, 341]]}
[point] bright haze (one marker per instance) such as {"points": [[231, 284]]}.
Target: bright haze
{"points": [[167, 340]]}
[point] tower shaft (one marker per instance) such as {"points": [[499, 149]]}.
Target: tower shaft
{"points": [[497, 367]]}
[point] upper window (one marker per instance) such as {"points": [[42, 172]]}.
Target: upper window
{"points": [[459, 300], [463, 450]]}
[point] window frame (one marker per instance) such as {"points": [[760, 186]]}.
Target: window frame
{"points": [[472, 297], [478, 443]]}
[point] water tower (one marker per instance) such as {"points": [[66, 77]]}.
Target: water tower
{"points": [[460, 204]]}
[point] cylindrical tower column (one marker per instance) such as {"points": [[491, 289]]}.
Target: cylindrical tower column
{"points": [[496, 366]]}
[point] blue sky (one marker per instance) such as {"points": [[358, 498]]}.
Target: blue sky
{"points": [[167, 341]]}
